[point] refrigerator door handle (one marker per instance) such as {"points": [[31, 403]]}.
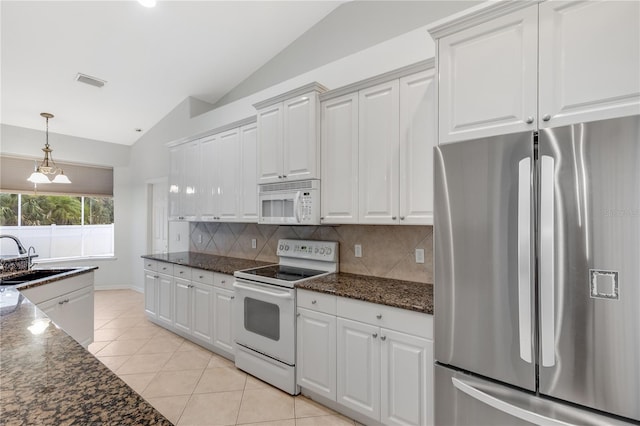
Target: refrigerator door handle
{"points": [[524, 259], [505, 406], [547, 256]]}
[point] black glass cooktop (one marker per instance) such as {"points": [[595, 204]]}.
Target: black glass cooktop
{"points": [[285, 273]]}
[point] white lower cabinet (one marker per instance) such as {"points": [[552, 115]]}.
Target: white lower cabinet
{"points": [[195, 303], [222, 320], [69, 304], [359, 367], [373, 360], [316, 352]]}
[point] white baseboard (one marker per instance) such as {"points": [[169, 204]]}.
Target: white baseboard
{"points": [[117, 287]]}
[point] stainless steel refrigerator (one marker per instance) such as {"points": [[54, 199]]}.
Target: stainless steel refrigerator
{"points": [[537, 277]]}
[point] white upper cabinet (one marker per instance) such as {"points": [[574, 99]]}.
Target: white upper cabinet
{"points": [[213, 178], [488, 78], [339, 153], [589, 61], [379, 153], [270, 144], [377, 144], [418, 136], [288, 135], [506, 67], [248, 177]]}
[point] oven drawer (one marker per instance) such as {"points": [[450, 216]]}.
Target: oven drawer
{"points": [[315, 301], [183, 272]]}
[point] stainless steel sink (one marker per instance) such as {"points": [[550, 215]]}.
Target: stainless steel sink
{"points": [[33, 275]]}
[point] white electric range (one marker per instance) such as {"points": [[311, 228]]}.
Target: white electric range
{"points": [[265, 309]]}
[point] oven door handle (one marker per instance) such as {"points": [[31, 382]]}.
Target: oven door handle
{"points": [[285, 295]]}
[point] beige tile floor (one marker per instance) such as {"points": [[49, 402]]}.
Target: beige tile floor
{"points": [[188, 384]]}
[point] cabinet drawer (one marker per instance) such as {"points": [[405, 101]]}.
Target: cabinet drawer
{"points": [[202, 276], [150, 265], [315, 301], [183, 272], [406, 321], [223, 280], [165, 268]]}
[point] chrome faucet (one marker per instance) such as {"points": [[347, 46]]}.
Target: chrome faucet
{"points": [[29, 258], [21, 249]]}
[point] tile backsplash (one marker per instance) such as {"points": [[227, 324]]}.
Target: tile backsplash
{"points": [[387, 251]]}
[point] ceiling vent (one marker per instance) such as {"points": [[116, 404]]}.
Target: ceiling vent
{"points": [[87, 79]]}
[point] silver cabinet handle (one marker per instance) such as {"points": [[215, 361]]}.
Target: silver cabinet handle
{"points": [[374, 335], [379, 316], [383, 338], [62, 302], [223, 282], [313, 302], [401, 217], [181, 272], [201, 276], [546, 117], [393, 218], [529, 120], [233, 297], [298, 314], [156, 276], [190, 286], [321, 217], [284, 176]]}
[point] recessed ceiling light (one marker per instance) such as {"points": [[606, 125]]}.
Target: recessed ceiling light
{"points": [[147, 3], [92, 81]]}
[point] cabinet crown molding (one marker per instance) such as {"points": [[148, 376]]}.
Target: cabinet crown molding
{"points": [[476, 15], [224, 128], [311, 87], [378, 79]]}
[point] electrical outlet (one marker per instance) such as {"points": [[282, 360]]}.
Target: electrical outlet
{"points": [[419, 255], [358, 250], [254, 243], [199, 238]]}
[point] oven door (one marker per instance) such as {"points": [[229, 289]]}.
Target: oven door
{"points": [[265, 319]]}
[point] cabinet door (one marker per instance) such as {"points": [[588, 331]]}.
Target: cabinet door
{"points": [[191, 173], [182, 305], [270, 144], [358, 367], [165, 299], [78, 315], [406, 379], [222, 321], [417, 138], [248, 176], [300, 137], [228, 167], [208, 207], [339, 159], [202, 320], [176, 181], [150, 294], [316, 352], [379, 153], [488, 78], [589, 61]]}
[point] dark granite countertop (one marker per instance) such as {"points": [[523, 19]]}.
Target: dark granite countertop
{"points": [[209, 262], [400, 294], [47, 378]]}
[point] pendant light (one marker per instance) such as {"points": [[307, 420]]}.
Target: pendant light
{"points": [[48, 166]]}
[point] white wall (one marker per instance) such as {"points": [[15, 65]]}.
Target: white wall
{"points": [[151, 156], [23, 142]]}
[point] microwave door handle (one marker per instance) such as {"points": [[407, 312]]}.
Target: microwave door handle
{"points": [[297, 206]]}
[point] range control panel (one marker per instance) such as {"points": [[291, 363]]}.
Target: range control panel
{"points": [[309, 249]]}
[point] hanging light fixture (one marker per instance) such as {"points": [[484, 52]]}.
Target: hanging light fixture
{"points": [[48, 166]]}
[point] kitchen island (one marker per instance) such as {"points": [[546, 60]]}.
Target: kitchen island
{"points": [[48, 378]]}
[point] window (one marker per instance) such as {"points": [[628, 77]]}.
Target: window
{"points": [[58, 226]]}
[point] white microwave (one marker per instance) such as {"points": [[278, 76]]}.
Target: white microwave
{"points": [[290, 203]]}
